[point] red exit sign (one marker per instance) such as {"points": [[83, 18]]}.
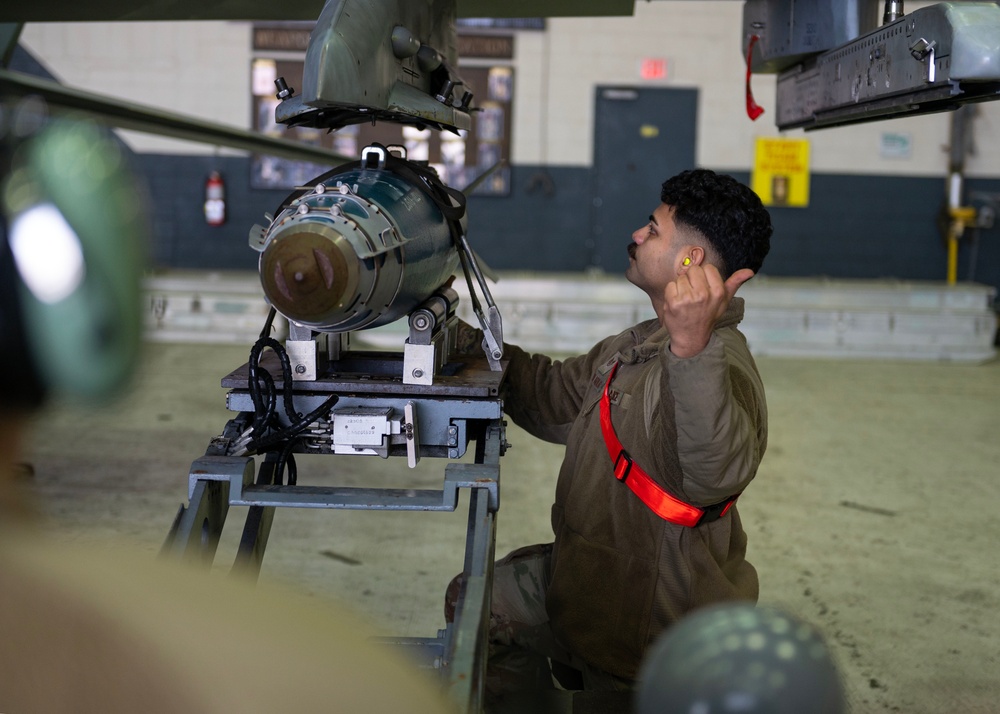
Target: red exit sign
{"points": [[653, 68]]}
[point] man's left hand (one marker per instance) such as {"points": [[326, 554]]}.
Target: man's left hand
{"points": [[694, 302]]}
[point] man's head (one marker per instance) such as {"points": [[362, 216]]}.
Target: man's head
{"points": [[704, 217], [725, 213]]}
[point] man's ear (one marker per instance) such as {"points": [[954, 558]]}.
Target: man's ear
{"points": [[691, 255]]}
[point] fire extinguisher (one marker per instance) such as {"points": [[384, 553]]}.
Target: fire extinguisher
{"points": [[215, 199]]}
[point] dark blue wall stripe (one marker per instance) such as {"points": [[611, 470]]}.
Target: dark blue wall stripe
{"points": [[854, 227]]}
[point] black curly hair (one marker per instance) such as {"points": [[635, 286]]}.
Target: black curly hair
{"points": [[728, 214]]}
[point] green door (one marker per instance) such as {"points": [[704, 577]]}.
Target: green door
{"points": [[642, 136]]}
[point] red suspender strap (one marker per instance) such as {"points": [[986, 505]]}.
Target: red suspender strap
{"points": [[649, 492]]}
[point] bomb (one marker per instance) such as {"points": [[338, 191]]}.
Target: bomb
{"points": [[362, 246]]}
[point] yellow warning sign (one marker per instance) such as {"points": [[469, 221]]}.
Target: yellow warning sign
{"points": [[781, 171]]}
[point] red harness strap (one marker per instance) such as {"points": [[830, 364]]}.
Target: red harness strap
{"points": [[649, 492]]}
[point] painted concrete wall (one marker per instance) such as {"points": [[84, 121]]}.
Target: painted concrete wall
{"points": [[701, 43], [869, 216], [203, 69], [198, 69]]}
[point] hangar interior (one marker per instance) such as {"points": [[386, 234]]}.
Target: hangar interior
{"points": [[873, 515]]}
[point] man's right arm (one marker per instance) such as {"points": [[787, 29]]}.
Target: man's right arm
{"points": [[541, 395]]}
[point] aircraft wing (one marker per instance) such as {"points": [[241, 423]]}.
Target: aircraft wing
{"points": [[127, 115]]}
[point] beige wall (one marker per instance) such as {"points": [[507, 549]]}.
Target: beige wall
{"points": [[199, 69], [202, 69]]}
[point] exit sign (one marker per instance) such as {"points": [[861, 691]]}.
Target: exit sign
{"points": [[653, 68]]}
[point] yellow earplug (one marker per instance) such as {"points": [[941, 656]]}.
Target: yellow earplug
{"points": [[687, 261]]}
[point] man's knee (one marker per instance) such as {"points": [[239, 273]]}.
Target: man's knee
{"points": [[451, 595], [503, 580]]}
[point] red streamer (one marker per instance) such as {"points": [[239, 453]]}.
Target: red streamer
{"points": [[754, 110]]}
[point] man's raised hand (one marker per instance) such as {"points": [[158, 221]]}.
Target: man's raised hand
{"points": [[694, 302]]}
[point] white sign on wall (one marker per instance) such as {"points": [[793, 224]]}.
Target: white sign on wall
{"points": [[895, 145]]}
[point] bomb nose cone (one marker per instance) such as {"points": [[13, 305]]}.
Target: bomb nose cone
{"points": [[310, 274]]}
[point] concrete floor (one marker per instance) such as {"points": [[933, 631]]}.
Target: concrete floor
{"points": [[875, 515]]}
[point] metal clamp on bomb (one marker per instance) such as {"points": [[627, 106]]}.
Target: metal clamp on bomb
{"points": [[432, 337]]}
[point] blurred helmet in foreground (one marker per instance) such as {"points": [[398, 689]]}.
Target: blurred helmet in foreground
{"points": [[738, 658]]}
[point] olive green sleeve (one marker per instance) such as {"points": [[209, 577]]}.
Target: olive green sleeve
{"points": [[721, 417]]}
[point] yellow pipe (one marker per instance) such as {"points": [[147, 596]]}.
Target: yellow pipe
{"points": [[952, 256], [961, 217]]}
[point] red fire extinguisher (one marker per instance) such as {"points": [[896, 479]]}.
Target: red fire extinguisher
{"points": [[215, 199]]}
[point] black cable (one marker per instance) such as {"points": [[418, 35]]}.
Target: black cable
{"points": [[286, 457], [269, 442], [266, 330], [263, 393], [263, 412], [261, 386], [269, 436], [286, 376]]}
